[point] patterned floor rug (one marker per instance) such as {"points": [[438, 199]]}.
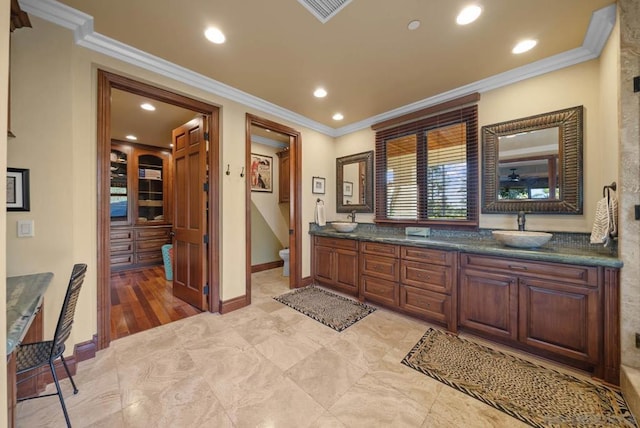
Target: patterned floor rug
{"points": [[536, 395], [330, 309]]}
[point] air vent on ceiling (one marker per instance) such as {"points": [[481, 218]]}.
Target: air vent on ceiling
{"points": [[324, 10]]}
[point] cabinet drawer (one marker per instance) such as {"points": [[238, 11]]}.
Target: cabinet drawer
{"points": [[347, 244], [151, 244], [142, 234], [379, 290], [121, 260], [587, 275], [376, 248], [427, 255], [121, 247], [435, 306], [380, 267], [426, 276], [149, 257], [121, 234]]}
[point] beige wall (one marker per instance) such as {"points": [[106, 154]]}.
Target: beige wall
{"points": [[581, 84], [54, 105], [4, 73]]}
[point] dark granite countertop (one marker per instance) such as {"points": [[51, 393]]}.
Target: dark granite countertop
{"points": [[563, 248], [24, 296]]}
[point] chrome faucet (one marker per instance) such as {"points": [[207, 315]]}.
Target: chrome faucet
{"points": [[521, 220], [352, 216]]}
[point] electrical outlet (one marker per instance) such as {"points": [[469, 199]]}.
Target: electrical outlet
{"points": [[637, 340]]}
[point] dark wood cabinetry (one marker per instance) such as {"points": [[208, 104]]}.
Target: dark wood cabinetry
{"points": [[140, 200], [336, 263], [380, 273], [565, 312], [283, 178], [427, 284], [552, 308]]}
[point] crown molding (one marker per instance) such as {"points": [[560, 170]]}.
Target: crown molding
{"points": [[600, 26]]}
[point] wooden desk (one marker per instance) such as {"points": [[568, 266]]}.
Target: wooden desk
{"points": [[25, 295]]}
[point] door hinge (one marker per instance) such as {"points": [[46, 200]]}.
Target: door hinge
{"points": [[206, 290], [205, 187], [206, 136], [206, 239]]}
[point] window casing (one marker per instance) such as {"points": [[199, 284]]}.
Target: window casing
{"points": [[427, 170]]}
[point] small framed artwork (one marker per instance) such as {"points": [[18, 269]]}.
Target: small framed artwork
{"points": [[261, 174], [347, 188], [17, 189], [317, 185]]}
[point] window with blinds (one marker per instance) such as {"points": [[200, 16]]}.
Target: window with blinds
{"points": [[427, 170]]}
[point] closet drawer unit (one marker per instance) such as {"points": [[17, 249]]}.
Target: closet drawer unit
{"points": [[435, 306], [428, 255], [379, 290], [426, 276], [121, 260], [586, 275], [380, 267], [149, 257], [378, 249], [121, 247], [151, 244], [121, 235], [347, 244], [144, 234]]}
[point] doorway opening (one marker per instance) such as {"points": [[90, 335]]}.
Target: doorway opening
{"points": [[285, 143], [148, 213]]}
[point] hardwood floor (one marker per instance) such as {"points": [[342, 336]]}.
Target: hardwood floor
{"points": [[142, 299]]}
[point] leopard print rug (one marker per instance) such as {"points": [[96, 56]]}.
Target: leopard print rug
{"points": [[533, 394], [330, 309]]}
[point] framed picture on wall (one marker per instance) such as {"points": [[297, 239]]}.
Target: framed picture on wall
{"points": [[17, 189], [347, 188], [261, 173], [317, 185]]}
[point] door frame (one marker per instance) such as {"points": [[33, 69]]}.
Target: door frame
{"points": [[106, 82], [295, 186]]}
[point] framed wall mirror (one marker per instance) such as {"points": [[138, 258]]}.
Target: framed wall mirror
{"points": [[534, 164], [354, 183]]}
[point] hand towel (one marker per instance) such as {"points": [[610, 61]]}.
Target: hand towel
{"points": [[612, 211], [319, 215], [600, 230]]}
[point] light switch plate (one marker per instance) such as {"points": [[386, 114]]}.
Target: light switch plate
{"points": [[25, 228]]}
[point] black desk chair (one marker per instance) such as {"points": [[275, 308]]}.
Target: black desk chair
{"points": [[31, 356]]}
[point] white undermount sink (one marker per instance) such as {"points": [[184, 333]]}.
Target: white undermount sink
{"points": [[343, 226], [521, 238]]}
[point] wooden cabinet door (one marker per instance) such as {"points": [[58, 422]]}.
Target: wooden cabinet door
{"points": [[284, 185], [560, 318], [346, 270], [323, 264], [488, 303]]}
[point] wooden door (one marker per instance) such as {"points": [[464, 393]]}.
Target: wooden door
{"points": [[190, 213]]}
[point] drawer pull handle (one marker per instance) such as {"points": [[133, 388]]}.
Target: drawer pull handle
{"points": [[517, 267]]}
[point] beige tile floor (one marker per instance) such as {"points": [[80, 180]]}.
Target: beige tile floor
{"points": [[265, 365]]}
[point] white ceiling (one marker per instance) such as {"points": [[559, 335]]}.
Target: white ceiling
{"points": [[364, 56]]}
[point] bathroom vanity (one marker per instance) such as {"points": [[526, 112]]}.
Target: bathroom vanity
{"points": [[558, 303]]}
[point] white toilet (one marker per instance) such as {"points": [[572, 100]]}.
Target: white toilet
{"points": [[284, 255]]}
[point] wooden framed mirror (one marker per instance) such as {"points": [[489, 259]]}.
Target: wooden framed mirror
{"points": [[354, 183], [534, 164]]}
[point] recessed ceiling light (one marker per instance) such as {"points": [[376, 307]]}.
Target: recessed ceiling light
{"points": [[214, 35], [320, 93], [524, 46], [468, 15], [338, 116], [148, 107], [131, 137], [414, 25]]}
